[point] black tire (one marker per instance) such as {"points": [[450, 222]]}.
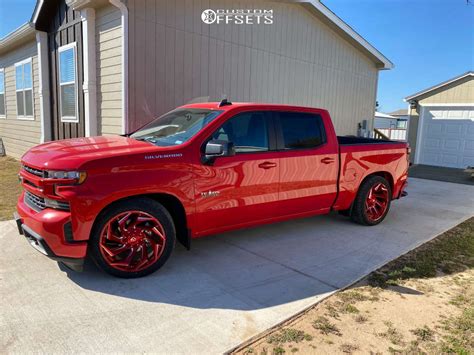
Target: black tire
{"points": [[359, 213], [148, 206]]}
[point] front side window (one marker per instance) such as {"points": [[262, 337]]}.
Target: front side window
{"points": [[67, 83], [2, 93], [24, 89], [248, 131], [176, 127], [301, 130]]}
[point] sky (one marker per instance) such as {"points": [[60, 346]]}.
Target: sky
{"points": [[429, 41]]}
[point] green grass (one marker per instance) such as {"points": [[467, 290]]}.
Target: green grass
{"points": [[450, 253], [350, 308], [392, 334], [10, 188], [352, 296], [424, 334], [325, 326], [459, 338], [289, 335]]}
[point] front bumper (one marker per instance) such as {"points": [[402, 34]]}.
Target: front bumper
{"points": [[46, 232]]}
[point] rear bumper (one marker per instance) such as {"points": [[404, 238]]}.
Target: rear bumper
{"points": [[48, 231], [403, 193]]}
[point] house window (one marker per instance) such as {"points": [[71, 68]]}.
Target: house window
{"points": [[402, 124], [24, 89], [68, 83], [2, 93]]}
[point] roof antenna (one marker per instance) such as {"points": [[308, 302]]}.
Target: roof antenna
{"points": [[225, 102]]}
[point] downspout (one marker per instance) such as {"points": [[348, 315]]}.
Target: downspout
{"points": [[43, 90], [124, 10], [89, 85]]}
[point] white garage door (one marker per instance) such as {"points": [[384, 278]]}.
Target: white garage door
{"points": [[447, 137]]}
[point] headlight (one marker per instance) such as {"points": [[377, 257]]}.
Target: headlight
{"points": [[77, 177]]}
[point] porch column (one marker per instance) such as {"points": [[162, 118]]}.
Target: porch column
{"points": [[43, 90], [89, 86]]}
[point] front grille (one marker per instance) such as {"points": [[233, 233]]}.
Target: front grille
{"points": [[38, 203], [61, 205], [34, 171], [35, 202]]}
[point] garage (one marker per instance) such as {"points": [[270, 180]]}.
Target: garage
{"points": [[447, 137], [441, 123]]}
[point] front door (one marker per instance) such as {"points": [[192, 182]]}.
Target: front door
{"points": [[66, 73], [308, 164], [242, 189]]}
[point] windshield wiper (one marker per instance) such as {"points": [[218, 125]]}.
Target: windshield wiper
{"points": [[145, 139]]}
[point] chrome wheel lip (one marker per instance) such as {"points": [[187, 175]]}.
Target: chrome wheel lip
{"points": [[132, 241]]}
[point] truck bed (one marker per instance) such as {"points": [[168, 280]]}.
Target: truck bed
{"points": [[351, 140]]}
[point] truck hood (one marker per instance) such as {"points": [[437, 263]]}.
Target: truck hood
{"points": [[70, 154]]}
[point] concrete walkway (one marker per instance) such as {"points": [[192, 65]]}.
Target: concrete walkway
{"points": [[226, 289]]}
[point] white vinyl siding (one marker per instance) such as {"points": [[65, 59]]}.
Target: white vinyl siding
{"points": [[24, 89], [68, 83], [2, 93]]}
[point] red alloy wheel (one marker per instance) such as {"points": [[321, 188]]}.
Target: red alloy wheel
{"points": [[376, 202], [132, 241]]}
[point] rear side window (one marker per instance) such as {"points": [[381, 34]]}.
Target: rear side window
{"points": [[301, 130], [248, 131]]}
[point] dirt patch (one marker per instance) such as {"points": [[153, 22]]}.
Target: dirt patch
{"points": [[423, 302], [10, 187]]}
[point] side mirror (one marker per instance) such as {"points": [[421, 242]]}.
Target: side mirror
{"points": [[217, 148]]}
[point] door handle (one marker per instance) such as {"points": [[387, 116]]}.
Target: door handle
{"points": [[267, 165], [327, 160]]}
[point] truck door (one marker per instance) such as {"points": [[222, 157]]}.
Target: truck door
{"points": [[240, 189], [308, 163]]}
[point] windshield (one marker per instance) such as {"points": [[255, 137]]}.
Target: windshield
{"points": [[176, 127]]}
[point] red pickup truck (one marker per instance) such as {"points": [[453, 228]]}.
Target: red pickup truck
{"points": [[200, 169]]}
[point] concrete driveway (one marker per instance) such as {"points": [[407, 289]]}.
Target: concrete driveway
{"points": [[226, 289]]}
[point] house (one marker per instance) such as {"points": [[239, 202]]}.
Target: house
{"points": [[402, 117], [20, 126], [389, 126], [108, 67], [383, 120], [441, 123]]}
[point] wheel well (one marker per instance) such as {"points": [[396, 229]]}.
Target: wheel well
{"points": [[386, 175], [177, 212], [175, 209]]}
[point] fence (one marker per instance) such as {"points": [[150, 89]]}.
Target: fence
{"points": [[396, 134]]}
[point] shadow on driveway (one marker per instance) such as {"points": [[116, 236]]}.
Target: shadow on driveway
{"points": [[290, 261], [247, 269], [438, 173]]}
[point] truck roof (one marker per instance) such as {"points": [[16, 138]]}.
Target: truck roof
{"points": [[233, 105]]}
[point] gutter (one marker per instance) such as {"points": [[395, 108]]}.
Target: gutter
{"points": [[17, 37]]}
